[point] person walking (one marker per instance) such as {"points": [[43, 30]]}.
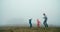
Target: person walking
{"points": [[30, 23], [45, 20]]}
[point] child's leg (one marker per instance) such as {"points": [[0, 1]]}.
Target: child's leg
{"points": [[30, 25]]}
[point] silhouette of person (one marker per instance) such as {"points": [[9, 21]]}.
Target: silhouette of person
{"points": [[30, 23], [45, 20], [38, 23]]}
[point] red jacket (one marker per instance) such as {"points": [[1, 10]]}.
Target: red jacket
{"points": [[38, 23]]}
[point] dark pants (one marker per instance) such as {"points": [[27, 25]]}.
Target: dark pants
{"points": [[45, 24], [30, 25]]}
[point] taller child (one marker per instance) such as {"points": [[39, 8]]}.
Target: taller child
{"points": [[30, 23]]}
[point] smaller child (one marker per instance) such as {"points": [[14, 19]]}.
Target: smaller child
{"points": [[38, 23]]}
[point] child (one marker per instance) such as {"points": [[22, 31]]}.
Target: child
{"points": [[30, 23], [38, 23]]}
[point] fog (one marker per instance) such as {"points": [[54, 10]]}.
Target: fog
{"points": [[18, 12]]}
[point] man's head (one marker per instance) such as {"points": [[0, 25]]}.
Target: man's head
{"points": [[44, 14]]}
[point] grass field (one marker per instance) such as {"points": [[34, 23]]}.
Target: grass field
{"points": [[27, 29]]}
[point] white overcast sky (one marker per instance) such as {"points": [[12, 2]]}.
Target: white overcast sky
{"points": [[18, 12]]}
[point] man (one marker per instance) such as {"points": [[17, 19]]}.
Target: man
{"points": [[45, 20], [30, 23]]}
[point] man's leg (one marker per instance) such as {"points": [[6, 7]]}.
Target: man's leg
{"points": [[46, 25]]}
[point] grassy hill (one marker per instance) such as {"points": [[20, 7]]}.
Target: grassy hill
{"points": [[27, 29]]}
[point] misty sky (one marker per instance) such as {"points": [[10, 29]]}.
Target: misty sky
{"points": [[18, 12]]}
